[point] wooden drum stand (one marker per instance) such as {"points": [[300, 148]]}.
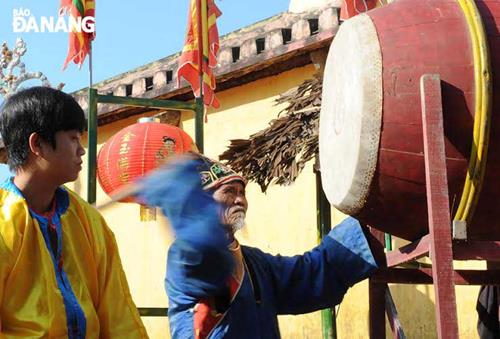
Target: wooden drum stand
{"points": [[438, 244]]}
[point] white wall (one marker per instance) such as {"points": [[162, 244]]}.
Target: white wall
{"points": [[297, 6]]}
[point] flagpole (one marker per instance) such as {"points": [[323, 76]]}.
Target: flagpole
{"points": [[91, 83], [199, 100], [92, 135]]}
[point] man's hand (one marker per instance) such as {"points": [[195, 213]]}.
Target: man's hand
{"points": [[192, 212]]}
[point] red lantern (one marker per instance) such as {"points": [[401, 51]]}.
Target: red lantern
{"points": [[136, 150]]}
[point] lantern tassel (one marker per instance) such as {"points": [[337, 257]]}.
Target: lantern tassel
{"points": [[147, 213]]}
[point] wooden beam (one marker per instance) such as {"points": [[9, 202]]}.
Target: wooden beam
{"points": [[410, 252], [476, 250], [438, 206], [146, 103], [424, 276]]}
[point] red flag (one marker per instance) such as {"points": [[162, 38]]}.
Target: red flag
{"points": [[189, 61], [351, 8], [83, 13]]}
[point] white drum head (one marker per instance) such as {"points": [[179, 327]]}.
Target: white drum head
{"points": [[351, 114]]}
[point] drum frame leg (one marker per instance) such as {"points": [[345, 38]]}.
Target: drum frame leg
{"points": [[438, 206], [376, 296], [376, 290]]}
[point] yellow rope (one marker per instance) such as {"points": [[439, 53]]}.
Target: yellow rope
{"points": [[482, 115]]}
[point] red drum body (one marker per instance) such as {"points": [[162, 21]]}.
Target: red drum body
{"points": [[371, 138]]}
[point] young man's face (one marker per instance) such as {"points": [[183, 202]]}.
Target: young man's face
{"points": [[65, 161], [232, 198]]}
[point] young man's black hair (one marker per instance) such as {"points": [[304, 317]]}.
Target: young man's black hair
{"points": [[43, 110]]}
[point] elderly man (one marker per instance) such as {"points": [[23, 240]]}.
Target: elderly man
{"points": [[219, 289]]}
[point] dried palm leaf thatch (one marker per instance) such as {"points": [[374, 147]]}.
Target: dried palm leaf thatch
{"points": [[277, 154]]}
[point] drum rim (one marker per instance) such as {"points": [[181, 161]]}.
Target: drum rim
{"points": [[352, 199]]}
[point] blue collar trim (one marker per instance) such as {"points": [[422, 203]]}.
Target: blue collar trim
{"points": [[62, 195]]}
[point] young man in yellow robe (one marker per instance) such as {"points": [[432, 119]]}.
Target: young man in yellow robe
{"points": [[60, 272]]}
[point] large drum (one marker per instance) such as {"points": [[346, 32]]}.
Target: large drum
{"points": [[371, 139]]}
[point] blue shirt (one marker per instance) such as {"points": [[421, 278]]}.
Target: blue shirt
{"points": [[286, 285], [199, 264]]}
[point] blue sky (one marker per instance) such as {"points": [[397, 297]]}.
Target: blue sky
{"points": [[129, 34], [4, 172]]}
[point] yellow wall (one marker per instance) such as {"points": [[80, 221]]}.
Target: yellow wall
{"points": [[281, 221]]}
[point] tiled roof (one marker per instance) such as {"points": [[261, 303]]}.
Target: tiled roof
{"points": [[267, 47]]}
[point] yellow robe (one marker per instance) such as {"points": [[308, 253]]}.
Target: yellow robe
{"points": [[31, 303]]}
